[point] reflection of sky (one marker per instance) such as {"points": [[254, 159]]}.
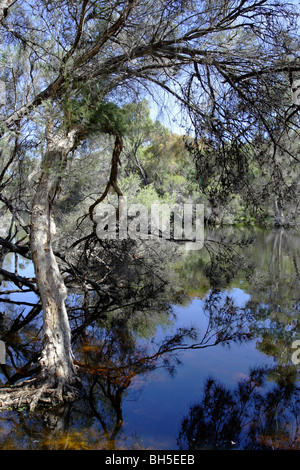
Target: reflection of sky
{"points": [[165, 400], [239, 297], [25, 269], [155, 405]]}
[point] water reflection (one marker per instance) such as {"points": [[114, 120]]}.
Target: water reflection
{"points": [[145, 323], [251, 415], [113, 361]]}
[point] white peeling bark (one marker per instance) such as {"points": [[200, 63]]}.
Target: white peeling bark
{"points": [[57, 366], [4, 6]]}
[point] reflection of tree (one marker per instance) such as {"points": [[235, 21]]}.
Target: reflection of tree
{"points": [[120, 298], [228, 322], [274, 293], [114, 359], [252, 415], [122, 283], [225, 257], [20, 331], [112, 363]]}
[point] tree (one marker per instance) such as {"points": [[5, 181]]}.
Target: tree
{"points": [[78, 62]]}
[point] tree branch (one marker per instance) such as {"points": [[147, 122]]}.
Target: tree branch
{"points": [[12, 247], [18, 280]]}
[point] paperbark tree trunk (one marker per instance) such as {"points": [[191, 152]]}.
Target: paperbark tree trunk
{"points": [[4, 6], [57, 365]]}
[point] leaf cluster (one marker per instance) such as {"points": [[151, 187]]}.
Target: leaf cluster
{"points": [[104, 117]]}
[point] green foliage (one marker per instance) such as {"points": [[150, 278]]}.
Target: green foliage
{"points": [[148, 195], [107, 118], [137, 194], [102, 116], [158, 165], [139, 125], [130, 185]]}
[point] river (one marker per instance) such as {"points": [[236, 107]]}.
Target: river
{"points": [[208, 362]]}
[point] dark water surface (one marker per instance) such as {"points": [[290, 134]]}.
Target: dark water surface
{"points": [[207, 364]]}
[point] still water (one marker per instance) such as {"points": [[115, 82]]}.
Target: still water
{"points": [[205, 363]]}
